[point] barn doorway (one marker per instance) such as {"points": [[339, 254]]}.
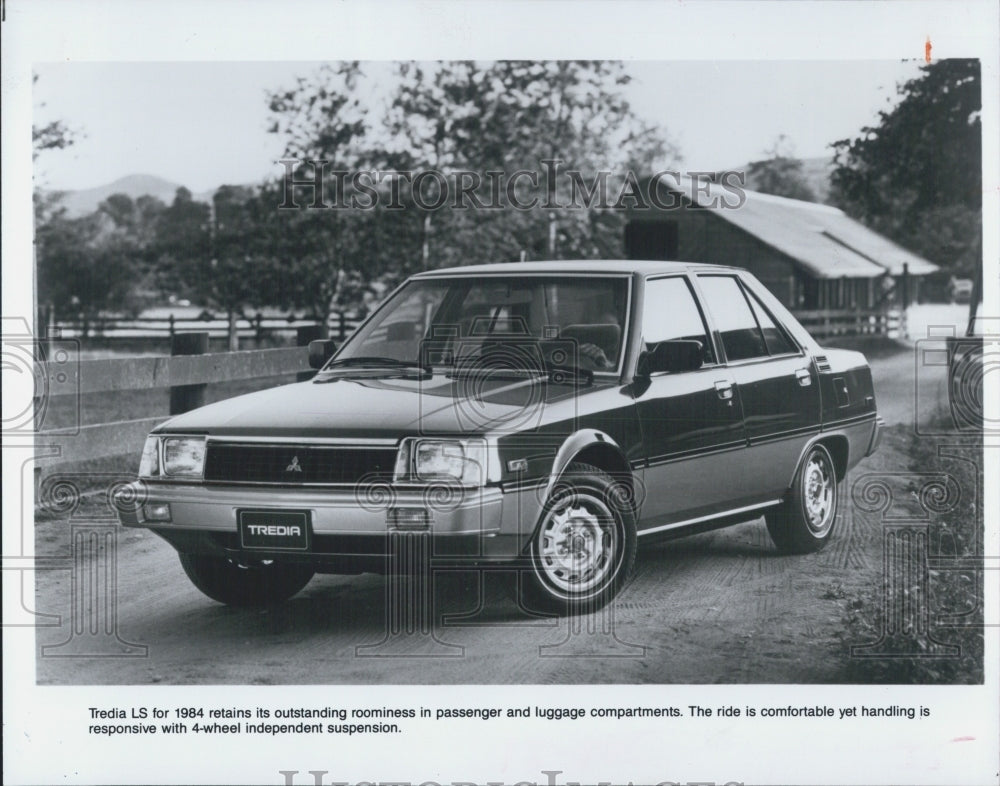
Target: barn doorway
{"points": [[645, 239]]}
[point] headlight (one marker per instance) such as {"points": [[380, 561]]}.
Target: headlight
{"points": [[149, 464], [183, 456], [424, 460]]}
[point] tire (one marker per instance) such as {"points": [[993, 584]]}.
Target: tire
{"points": [[588, 512], [805, 522], [245, 585]]}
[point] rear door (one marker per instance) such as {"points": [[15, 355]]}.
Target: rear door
{"points": [[776, 381], [692, 429]]}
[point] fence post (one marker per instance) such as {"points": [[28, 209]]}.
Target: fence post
{"points": [[172, 327], [187, 397]]}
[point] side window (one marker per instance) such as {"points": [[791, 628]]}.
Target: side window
{"points": [[670, 312], [741, 335], [777, 342]]}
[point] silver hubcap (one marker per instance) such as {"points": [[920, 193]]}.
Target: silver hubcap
{"points": [[818, 490], [577, 543]]}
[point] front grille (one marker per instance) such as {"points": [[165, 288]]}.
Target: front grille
{"points": [[239, 463]]}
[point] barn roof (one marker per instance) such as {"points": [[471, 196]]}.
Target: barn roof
{"points": [[822, 239]]}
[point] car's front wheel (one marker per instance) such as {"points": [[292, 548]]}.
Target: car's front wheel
{"points": [[804, 523], [258, 584], [584, 547]]}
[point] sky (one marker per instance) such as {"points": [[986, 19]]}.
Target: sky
{"points": [[205, 124]]}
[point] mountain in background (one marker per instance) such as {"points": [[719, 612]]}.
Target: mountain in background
{"points": [[86, 200]]}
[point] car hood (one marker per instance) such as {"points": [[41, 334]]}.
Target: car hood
{"points": [[384, 406]]}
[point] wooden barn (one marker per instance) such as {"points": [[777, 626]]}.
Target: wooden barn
{"points": [[811, 256]]}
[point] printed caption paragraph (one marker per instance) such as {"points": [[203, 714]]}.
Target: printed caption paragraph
{"points": [[274, 720]]}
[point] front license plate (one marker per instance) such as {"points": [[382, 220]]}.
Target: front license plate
{"points": [[274, 529]]}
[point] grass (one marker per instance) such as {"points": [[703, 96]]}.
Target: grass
{"points": [[955, 531]]}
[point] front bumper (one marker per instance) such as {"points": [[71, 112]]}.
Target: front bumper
{"points": [[348, 529]]}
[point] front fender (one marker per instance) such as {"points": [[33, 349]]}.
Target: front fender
{"points": [[586, 440]]}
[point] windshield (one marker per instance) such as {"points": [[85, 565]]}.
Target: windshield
{"points": [[522, 322]]}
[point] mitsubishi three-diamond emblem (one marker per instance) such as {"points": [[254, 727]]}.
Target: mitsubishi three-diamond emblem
{"points": [[294, 466]]}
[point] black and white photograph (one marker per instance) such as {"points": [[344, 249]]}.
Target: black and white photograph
{"points": [[391, 388]]}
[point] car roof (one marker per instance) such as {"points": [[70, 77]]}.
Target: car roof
{"points": [[642, 267]]}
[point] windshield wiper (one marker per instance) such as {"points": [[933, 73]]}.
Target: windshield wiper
{"points": [[378, 361]]}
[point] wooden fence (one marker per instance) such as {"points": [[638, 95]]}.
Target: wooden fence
{"points": [[258, 326], [87, 443], [821, 324], [833, 323]]}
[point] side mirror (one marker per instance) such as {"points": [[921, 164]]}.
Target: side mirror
{"points": [[670, 356], [321, 351]]}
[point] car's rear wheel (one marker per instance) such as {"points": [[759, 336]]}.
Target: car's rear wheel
{"points": [[804, 523], [584, 547], [258, 584]]}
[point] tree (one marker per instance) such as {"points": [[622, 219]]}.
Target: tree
{"points": [[54, 135], [916, 176], [433, 110], [84, 268], [311, 256], [130, 225], [322, 119], [781, 173], [215, 254], [51, 136], [448, 121], [96, 263], [512, 116]]}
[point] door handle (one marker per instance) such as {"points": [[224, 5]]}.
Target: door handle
{"points": [[803, 376], [725, 390]]}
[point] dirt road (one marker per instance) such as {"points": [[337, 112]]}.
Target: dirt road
{"points": [[716, 607]]}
